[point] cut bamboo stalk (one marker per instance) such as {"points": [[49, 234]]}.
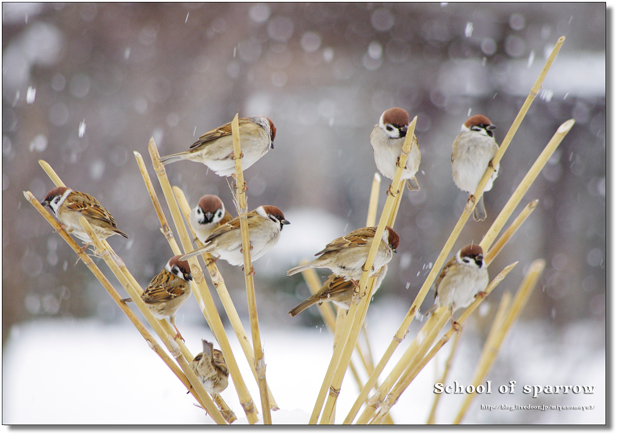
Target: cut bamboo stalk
{"points": [[51, 173], [355, 317], [469, 207], [222, 291], [259, 357], [489, 344], [374, 200], [444, 377], [514, 226], [417, 365], [526, 183], [201, 291], [151, 341]]}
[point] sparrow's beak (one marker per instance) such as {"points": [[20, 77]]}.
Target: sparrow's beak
{"points": [[491, 127], [403, 131], [188, 277], [209, 216], [44, 203], [285, 222], [394, 250], [272, 147]]}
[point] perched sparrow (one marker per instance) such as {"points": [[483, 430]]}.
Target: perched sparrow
{"points": [[264, 224], [215, 148], [168, 290], [387, 140], [207, 216], [346, 255], [338, 290], [472, 152], [69, 206], [211, 369], [461, 279]]}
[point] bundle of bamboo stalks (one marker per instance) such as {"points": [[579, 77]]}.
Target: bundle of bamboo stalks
{"points": [[345, 324]]}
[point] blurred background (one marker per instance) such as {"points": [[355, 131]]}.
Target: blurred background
{"points": [[87, 84]]}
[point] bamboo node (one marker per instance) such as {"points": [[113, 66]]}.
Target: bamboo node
{"points": [[150, 344], [333, 391], [375, 399], [174, 348], [261, 368], [248, 407], [398, 339]]}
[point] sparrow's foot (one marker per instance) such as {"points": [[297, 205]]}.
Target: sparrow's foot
{"points": [[178, 333], [481, 294], [391, 192]]}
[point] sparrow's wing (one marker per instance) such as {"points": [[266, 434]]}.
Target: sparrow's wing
{"points": [[218, 361], [211, 135], [232, 225], [164, 287], [353, 239], [222, 131], [443, 273], [89, 207], [335, 286], [227, 218]]}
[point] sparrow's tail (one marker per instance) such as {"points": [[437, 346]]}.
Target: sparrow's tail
{"points": [[412, 184], [117, 231], [300, 268], [207, 348], [431, 309], [197, 252], [480, 212], [172, 158], [305, 304]]}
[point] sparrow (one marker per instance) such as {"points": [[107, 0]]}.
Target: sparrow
{"points": [[211, 369], [462, 278], [69, 206], [264, 224], [387, 140], [472, 152], [346, 255], [207, 216], [215, 148], [338, 290], [168, 290]]}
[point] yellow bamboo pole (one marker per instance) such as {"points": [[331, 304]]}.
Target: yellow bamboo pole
{"points": [[494, 342], [342, 353], [259, 357], [525, 184], [469, 207], [222, 291], [201, 291]]}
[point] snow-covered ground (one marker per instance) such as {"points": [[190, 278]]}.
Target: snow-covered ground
{"points": [[87, 372]]}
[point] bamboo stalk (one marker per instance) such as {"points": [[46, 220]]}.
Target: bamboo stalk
{"points": [[447, 367], [201, 291], [514, 226], [417, 365], [51, 173], [525, 184], [342, 353], [374, 200], [469, 207], [222, 291], [259, 357], [151, 341], [494, 342], [489, 345]]}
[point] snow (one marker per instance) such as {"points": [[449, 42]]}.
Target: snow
{"points": [[89, 372]]}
